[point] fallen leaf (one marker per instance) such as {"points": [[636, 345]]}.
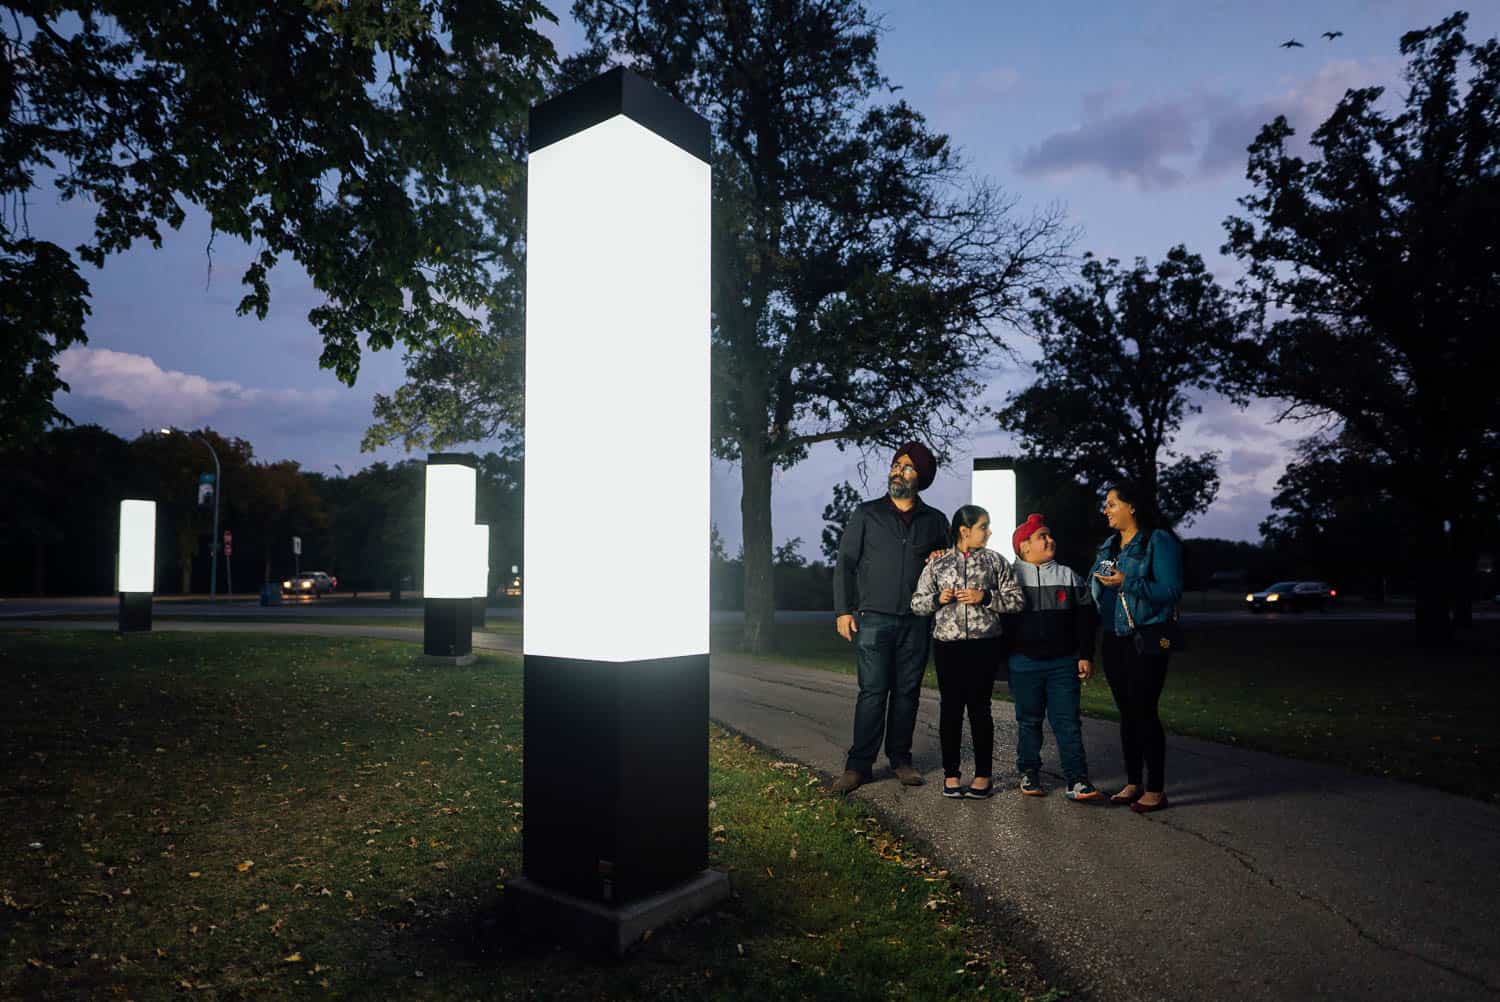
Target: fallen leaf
{"points": [[262, 907], [194, 874], [292, 958], [242, 867]]}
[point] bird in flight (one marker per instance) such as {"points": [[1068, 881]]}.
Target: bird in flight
{"points": [[1292, 43], [1331, 35]]}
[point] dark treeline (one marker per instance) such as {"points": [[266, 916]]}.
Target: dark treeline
{"points": [[59, 515]]}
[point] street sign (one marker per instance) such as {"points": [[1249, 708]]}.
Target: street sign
{"points": [[205, 490], [228, 541], [297, 545]]}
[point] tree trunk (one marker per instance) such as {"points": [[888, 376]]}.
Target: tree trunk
{"points": [[755, 527], [1465, 556]]}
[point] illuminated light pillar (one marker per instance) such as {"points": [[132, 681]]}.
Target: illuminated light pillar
{"points": [[135, 567], [481, 573], [615, 840], [448, 559], [993, 488]]}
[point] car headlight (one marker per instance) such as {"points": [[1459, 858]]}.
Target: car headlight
{"points": [[1273, 598], [286, 584], [1249, 598]]}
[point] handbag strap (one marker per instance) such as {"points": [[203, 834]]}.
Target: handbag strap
{"points": [[1126, 606]]}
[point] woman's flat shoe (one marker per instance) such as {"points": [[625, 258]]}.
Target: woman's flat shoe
{"points": [[953, 791], [979, 793], [1141, 808], [1118, 799]]}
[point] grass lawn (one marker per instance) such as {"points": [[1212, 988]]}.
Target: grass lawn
{"points": [[1358, 694], [269, 817]]}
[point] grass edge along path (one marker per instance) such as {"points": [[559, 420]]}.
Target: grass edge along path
{"points": [[1354, 694], [271, 816]]}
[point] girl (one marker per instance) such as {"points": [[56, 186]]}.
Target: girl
{"points": [[966, 590]]}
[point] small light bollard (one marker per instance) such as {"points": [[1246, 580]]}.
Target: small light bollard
{"points": [[447, 559], [135, 568]]}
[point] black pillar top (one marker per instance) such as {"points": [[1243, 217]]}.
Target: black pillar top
{"points": [[619, 91], [452, 459], [994, 464]]}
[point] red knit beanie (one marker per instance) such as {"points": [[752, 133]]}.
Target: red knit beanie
{"points": [[1025, 531]]}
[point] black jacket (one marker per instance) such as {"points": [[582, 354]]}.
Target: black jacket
{"points": [[1060, 617], [880, 558]]}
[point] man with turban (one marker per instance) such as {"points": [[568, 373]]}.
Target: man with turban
{"points": [[885, 545]]}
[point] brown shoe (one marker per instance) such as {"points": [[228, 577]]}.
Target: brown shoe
{"points": [[908, 775], [850, 781]]}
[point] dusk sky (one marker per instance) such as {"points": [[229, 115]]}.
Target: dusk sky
{"points": [[1133, 117]]}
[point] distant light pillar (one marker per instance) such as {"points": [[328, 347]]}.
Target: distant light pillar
{"points": [[617, 412], [993, 488], [135, 568], [447, 557]]}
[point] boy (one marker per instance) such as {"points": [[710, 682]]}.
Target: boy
{"points": [[1051, 654]]}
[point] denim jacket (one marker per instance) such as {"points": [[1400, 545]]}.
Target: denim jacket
{"points": [[1153, 580]]}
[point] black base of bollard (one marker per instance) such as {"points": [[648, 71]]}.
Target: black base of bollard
{"points": [[135, 612], [448, 627]]}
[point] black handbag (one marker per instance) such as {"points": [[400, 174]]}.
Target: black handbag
{"points": [[1154, 638]]}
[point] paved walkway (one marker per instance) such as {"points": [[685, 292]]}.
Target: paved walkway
{"points": [[1268, 878]]}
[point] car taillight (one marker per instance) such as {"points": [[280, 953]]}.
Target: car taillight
{"points": [[1333, 593]]}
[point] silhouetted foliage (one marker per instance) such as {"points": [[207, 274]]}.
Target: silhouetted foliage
{"points": [[1120, 354], [362, 140], [1373, 280]]}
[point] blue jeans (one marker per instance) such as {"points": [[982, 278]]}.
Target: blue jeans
{"points": [[890, 656], [1052, 691]]}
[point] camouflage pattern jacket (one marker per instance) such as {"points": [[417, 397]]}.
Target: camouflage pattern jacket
{"points": [[980, 569]]}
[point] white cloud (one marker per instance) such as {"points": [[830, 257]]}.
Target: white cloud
{"points": [[1169, 143], [134, 388]]}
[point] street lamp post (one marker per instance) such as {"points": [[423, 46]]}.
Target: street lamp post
{"points": [[213, 540]]}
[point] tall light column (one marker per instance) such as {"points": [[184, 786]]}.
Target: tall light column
{"points": [[617, 416], [135, 564], [447, 558], [993, 488]]}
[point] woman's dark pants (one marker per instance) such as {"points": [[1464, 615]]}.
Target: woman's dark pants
{"points": [[966, 681], [890, 656], [1136, 681]]}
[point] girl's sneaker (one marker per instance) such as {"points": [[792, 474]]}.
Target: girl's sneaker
{"points": [[1083, 790], [955, 792], [1031, 784]]}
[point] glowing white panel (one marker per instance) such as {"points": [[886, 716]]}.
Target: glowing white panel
{"points": [[448, 540], [617, 396], [136, 570], [995, 492], [481, 557]]}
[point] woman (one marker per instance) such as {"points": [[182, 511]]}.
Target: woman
{"points": [[1137, 581], [965, 591]]}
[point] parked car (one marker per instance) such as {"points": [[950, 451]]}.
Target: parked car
{"points": [[312, 583], [1293, 596]]}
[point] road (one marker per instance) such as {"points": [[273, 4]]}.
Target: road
{"points": [[1267, 879]]}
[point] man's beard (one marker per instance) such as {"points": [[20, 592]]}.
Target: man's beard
{"points": [[901, 489]]}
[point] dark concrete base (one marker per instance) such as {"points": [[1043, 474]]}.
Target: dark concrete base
{"points": [[135, 612], [447, 627], [445, 661], [596, 926]]}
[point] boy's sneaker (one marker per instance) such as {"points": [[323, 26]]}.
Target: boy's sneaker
{"points": [[1083, 790], [1031, 784]]}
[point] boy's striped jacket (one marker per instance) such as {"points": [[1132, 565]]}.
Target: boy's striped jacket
{"points": [[1060, 616]]}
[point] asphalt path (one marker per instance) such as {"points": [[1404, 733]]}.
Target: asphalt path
{"points": [[1267, 878]]}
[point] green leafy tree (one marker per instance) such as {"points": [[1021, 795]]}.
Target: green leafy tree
{"points": [[366, 141], [1121, 352], [1373, 278], [858, 270]]}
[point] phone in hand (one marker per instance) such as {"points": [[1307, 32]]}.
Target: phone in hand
{"points": [[1106, 568]]}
